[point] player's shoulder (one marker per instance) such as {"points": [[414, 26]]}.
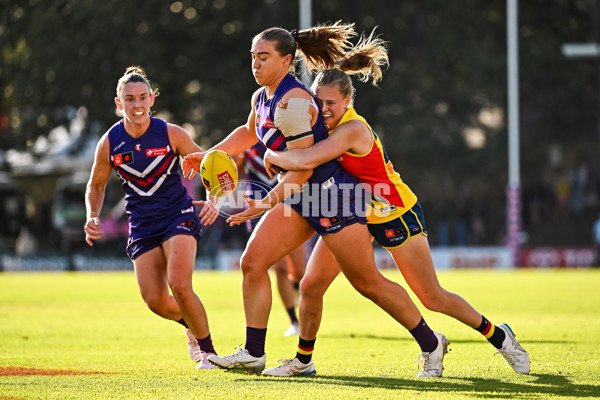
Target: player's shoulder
{"points": [[175, 129], [255, 96], [296, 92], [354, 126], [179, 138]]}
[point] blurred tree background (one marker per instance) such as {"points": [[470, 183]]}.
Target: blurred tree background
{"points": [[440, 109]]}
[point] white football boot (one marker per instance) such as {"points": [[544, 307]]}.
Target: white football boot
{"points": [[291, 367], [293, 330], [192, 342], [202, 359], [240, 360], [433, 362], [513, 352]]}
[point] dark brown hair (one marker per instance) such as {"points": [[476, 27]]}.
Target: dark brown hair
{"points": [[134, 74], [328, 46], [321, 46]]}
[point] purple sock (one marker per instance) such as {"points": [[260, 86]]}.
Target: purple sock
{"points": [[182, 322], [206, 345], [255, 341], [424, 336], [292, 314]]}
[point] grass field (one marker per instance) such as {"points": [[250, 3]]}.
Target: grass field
{"points": [[98, 324]]}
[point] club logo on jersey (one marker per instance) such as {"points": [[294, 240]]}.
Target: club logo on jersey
{"points": [[123, 158], [327, 222], [269, 124], [159, 151], [138, 147]]}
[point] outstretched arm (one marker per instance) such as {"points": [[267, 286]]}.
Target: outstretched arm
{"points": [[94, 193], [345, 137], [241, 138]]}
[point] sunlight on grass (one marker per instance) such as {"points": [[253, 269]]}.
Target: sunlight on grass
{"points": [[98, 322]]}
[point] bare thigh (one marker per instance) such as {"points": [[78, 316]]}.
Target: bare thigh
{"points": [[321, 270], [416, 265], [151, 273], [276, 235]]}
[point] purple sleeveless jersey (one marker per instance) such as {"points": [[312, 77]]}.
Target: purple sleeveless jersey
{"points": [[149, 172], [324, 202]]}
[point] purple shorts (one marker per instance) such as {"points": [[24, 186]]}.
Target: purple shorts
{"points": [[186, 224]]}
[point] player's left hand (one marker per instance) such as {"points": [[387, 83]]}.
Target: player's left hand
{"points": [[191, 164], [269, 166], [255, 209], [209, 212]]}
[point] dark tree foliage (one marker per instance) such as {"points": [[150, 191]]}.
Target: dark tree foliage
{"points": [[440, 109]]}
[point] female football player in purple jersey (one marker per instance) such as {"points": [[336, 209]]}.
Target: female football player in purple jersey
{"points": [[290, 269], [164, 227], [284, 115]]}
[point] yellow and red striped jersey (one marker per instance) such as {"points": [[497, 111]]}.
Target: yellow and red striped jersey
{"points": [[390, 197]]}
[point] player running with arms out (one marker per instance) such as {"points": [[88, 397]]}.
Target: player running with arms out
{"points": [[395, 221], [285, 116], [163, 225]]}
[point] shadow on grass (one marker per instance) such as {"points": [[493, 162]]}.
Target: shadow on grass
{"points": [[410, 339], [544, 384]]}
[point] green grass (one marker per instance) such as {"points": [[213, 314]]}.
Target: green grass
{"points": [[98, 322]]}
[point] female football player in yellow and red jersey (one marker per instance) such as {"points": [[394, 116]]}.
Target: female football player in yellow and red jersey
{"points": [[395, 220]]}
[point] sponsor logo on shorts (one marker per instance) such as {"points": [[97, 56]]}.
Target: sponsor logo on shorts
{"points": [[327, 222], [186, 226], [134, 249], [328, 183], [390, 233], [187, 210]]}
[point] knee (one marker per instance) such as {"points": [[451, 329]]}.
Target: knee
{"points": [[367, 288], [433, 300], [181, 289], [155, 304], [311, 290], [251, 265]]}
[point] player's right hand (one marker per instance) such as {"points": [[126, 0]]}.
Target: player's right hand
{"points": [[209, 212], [92, 230], [191, 164]]}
